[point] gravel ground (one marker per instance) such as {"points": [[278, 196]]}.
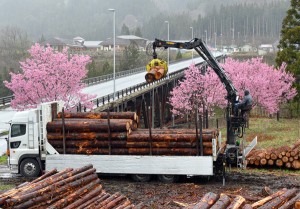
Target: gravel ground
{"points": [[155, 194]]}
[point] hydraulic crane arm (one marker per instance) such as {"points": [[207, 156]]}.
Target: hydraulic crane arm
{"points": [[203, 51], [233, 121]]}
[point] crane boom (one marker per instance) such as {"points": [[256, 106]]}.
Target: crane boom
{"points": [[234, 122]]}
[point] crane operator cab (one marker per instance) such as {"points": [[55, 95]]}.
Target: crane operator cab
{"points": [[156, 69]]}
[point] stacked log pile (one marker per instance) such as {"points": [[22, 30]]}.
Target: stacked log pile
{"points": [[94, 133], [282, 157], [282, 199], [70, 188]]}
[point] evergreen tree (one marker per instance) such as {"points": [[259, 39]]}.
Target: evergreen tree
{"points": [[138, 32], [130, 57], [178, 55], [289, 45], [42, 39], [125, 30]]}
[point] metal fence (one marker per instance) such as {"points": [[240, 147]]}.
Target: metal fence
{"points": [[105, 78], [6, 100]]}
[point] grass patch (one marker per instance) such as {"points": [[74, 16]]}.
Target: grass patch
{"points": [[3, 159], [4, 133], [274, 171], [271, 133], [4, 187]]}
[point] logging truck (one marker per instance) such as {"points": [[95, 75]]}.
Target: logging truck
{"points": [[38, 139], [41, 140]]}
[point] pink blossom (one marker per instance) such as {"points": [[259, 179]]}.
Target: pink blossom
{"points": [[268, 86], [47, 76]]}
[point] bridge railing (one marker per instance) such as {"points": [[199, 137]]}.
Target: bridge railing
{"points": [[127, 91], [6, 100], [104, 78]]}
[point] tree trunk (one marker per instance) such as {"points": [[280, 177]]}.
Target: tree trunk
{"points": [[296, 164], [87, 136], [291, 202], [278, 201], [279, 163], [222, 203], [247, 206], [88, 144], [88, 126], [83, 199], [268, 198], [207, 201], [134, 136], [237, 202], [78, 193], [101, 115]]}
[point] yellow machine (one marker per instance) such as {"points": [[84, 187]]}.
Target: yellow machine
{"points": [[156, 69]]}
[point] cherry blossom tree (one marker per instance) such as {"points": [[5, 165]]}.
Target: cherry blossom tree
{"points": [[49, 75], [268, 86]]}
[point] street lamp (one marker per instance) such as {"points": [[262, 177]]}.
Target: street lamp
{"points": [[114, 31], [215, 40], [168, 40], [192, 39], [221, 42], [205, 36]]}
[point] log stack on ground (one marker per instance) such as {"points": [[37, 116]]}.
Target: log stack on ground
{"points": [[93, 133], [70, 188], [282, 199], [281, 157]]}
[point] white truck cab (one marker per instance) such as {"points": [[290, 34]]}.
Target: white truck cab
{"points": [[27, 139]]}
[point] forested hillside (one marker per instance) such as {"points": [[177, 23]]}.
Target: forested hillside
{"points": [[91, 19]]}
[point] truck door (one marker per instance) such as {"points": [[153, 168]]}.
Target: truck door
{"points": [[17, 141]]}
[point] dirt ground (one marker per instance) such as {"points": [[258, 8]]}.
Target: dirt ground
{"points": [[155, 194]]}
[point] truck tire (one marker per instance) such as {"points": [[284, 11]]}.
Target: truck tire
{"points": [[141, 177], [29, 167], [168, 178]]}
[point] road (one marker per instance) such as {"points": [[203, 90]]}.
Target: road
{"points": [[106, 88], [3, 145], [5, 116]]}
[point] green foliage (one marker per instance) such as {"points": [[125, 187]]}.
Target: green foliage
{"points": [[3, 159], [92, 69], [138, 32], [125, 30], [106, 68], [130, 57], [178, 55], [289, 44]]}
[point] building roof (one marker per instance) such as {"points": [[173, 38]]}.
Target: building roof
{"points": [[266, 46], [131, 37], [119, 41], [56, 41], [92, 44]]}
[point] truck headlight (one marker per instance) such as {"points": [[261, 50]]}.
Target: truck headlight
{"points": [[14, 145]]}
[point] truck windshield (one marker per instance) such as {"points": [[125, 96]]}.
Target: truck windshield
{"points": [[18, 130]]}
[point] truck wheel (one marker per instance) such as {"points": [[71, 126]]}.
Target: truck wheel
{"points": [[168, 178], [141, 177], [30, 168]]}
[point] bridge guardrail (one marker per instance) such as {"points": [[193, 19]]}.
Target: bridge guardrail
{"points": [[127, 91], [6, 100], [124, 92], [104, 78]]}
